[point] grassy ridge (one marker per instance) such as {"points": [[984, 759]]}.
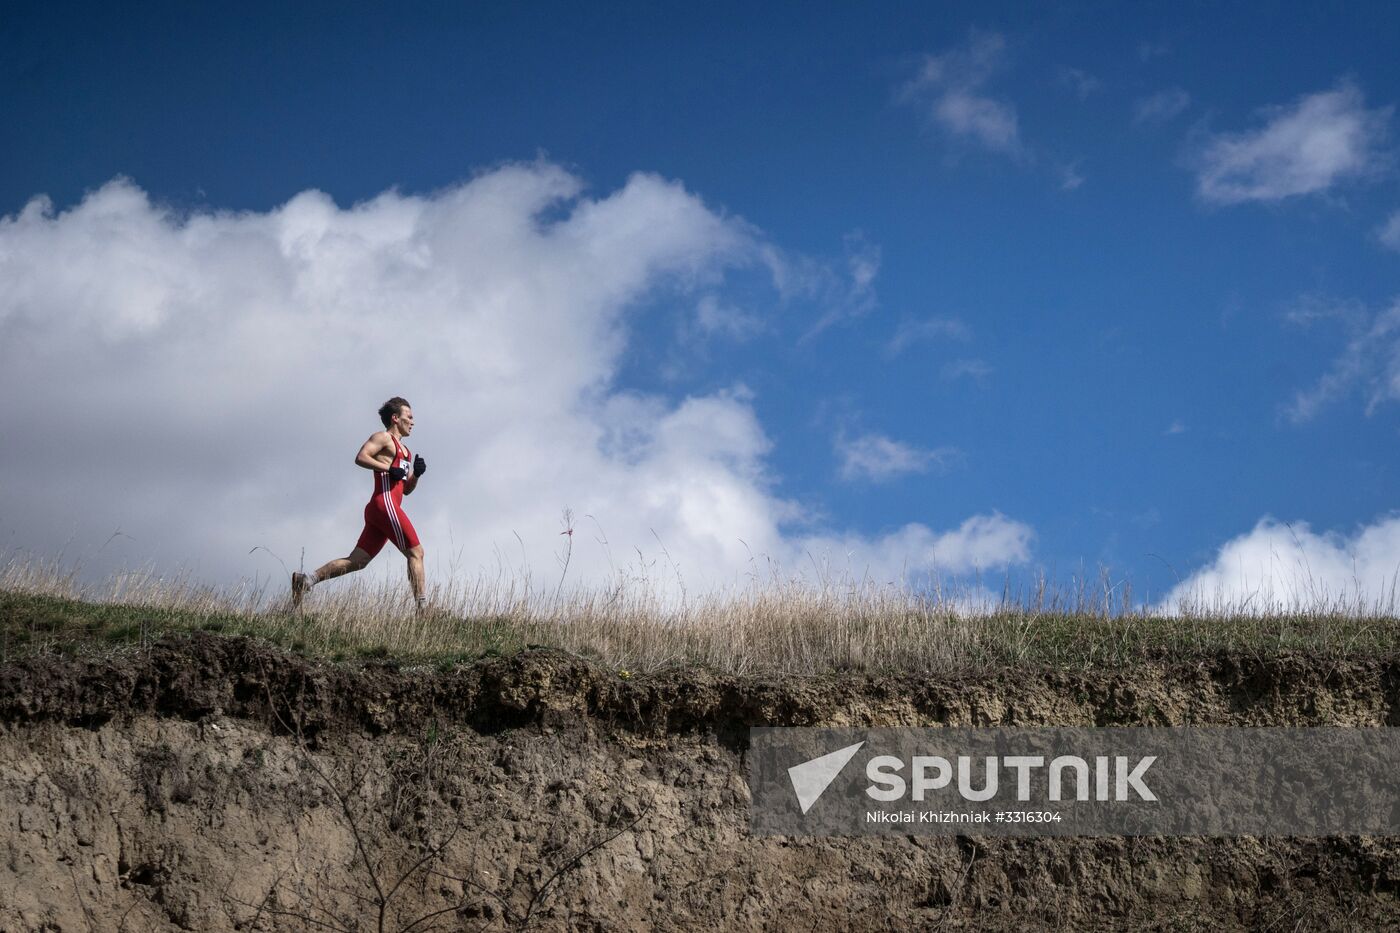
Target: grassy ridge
{"points": [[33, 624], [789, 637]]}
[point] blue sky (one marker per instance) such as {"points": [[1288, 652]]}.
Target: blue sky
{"points": [[1117, 275]]}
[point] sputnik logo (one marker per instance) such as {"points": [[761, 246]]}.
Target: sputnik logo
{"points": [[811, 778]]}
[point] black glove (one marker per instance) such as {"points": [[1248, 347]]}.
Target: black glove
{"points": [[419, 466], [397, 474]]}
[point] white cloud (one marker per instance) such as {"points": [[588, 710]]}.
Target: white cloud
{"points": [[1370, 363], [201, 381], [912, 330], [1081, 82], [1312, 308], [1162, 107], [878, 458], [1320, 140], [950, 86], [1176, 427], [1070, 177], [1389, 233], [839, 298], [714, 317], [983, 542], [972, 369], [1277, 566], [1150, 50]]}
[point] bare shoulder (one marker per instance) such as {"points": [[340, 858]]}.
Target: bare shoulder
{"points": [[377, 441]]}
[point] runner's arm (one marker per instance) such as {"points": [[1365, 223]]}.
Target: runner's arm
{"points": [[372, 455]]}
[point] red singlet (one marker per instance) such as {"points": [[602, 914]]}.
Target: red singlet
{"points": [[384, 517]]}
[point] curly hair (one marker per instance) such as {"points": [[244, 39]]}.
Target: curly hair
{"points": [[389, 409]]}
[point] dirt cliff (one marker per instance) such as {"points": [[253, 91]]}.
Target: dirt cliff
{"points": [[211, 783]]}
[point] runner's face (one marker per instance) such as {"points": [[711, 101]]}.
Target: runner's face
{"points": [[405, 419]]}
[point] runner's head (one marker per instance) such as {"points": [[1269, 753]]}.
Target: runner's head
{"points": [[397, 411]]}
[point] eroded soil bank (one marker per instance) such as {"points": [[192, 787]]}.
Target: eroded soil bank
{"points": [[211, 783]]}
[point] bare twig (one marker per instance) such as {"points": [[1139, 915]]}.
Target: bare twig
{"points": [[571, 863], [87, 917]]}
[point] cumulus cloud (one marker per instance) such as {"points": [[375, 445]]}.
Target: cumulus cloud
{"points": [[982, 542], [1162, 107], [951, 87], [1318, 141], [1279, 566], [202, 381], [1370, 363], [877, 458]]}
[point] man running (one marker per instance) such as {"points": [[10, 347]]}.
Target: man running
{"points": [[396, 474]]}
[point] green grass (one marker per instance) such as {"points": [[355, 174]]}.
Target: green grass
{"points": [[804, 638], [34, 624], [1080, 640]]}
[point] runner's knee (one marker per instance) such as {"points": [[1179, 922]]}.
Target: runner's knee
{"points": [[415, 553]]}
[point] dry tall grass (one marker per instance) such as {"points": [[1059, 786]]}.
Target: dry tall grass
{"points": [[796, 625]]}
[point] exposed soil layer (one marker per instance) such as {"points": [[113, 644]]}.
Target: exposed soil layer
{"points": [[211, 783]]}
